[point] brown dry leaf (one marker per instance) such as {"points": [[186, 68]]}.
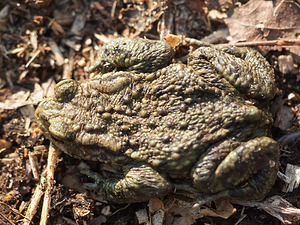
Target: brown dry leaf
{"points": [[12, 98], [48, 87], [56, 27], [277, 207], [265, 20], [180, 212], [106, 210], [18, 97], [157, 211], [155, 205], [4, 144], [224, 209], [183, 213], [174, 40]]}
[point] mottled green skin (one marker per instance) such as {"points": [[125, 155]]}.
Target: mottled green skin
{"points": [[118, 54], [191, 127]]}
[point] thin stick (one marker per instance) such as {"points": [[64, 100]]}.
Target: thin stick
{"points": [[279, 42], [51, 165], [35, 200]]}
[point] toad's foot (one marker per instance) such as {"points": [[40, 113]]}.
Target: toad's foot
{"points": [[139, 184], [247, 171]]}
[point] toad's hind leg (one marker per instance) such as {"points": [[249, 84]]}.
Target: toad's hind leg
{"points": [[244, 172], [139, 184], [245, 68]]}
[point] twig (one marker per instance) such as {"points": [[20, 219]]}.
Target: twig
{"points": [[113, 9], [32, 58], [32, 162], [57, 53], [46, 182], [6, 219], [51, 165], [35, 200], [196, 42], [12, 209], [279, 42]]}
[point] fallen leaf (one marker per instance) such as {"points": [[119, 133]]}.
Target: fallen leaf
{"points": [[265, 20], [277, 207], [155, 204], [224, 209], [27, 111], [180, 212], [48, 87], [4, 144], [157, 211], [18, 96], [174, 40]]}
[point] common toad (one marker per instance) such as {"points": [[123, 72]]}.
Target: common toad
{"points": [[200, 126]]}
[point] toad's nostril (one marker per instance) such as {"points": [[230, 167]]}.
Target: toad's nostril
{"points": [[66, 90]]}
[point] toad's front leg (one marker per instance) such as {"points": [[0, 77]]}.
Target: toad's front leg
{"points": [[244, 171], [139, 184]]}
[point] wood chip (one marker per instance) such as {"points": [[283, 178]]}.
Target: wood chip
{"points": [[142, 216], [292, 172], [78, 24], [57, 53], [33, 165], [285, 63]]}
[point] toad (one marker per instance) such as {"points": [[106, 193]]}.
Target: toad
{"points": [[201, 127]]}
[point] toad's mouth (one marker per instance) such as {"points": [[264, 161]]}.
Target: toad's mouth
{"points": [[46, 114]]}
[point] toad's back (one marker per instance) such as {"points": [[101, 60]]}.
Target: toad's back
{"points": [[167, 118], [194, 123]]}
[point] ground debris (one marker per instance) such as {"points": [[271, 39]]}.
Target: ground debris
{"points": [[259, 20], [277, 207]]}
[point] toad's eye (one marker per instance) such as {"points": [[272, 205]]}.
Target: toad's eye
{"points": [[66, 90]]}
